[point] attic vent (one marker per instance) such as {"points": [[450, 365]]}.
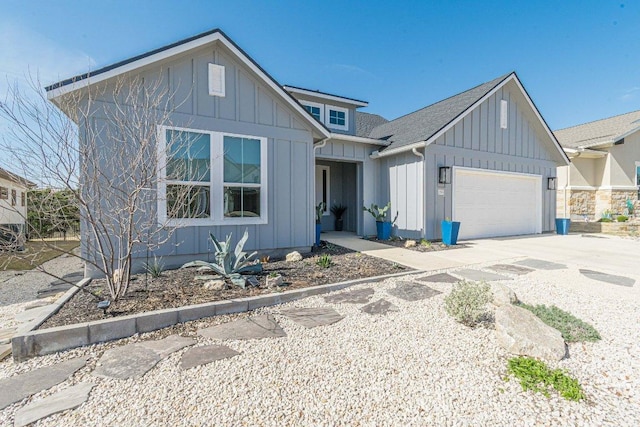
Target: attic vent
{"points": [[216, 80], [503, 114]]}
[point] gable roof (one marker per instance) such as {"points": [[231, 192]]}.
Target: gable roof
{"points": [[366, 122], [424, 123], [10, 176], [600, 132], [423, 127], [56, 90]]}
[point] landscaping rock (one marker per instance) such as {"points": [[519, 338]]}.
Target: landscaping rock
{"points": [[24, 385], [520, 332], [214, 285], [257, 327], [409, 291], [69, 398], [202, 355], [313, 317], [129, 361], [293, 257], [360, 296], [273, 282], [382, 306], [410, 243], [503, 295]]}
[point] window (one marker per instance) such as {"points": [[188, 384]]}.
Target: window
{"points": [[4, 193], [338, 118], [315, 109], [211, 178], [23, 199], [13, 197]]}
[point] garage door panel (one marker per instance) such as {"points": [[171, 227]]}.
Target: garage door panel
{"points": [[490, 203]]}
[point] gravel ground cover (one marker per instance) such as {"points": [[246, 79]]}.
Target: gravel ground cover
{"points": [[177, 288], [416, 366]]}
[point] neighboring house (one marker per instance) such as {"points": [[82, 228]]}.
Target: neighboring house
{"points": [[604, 170], [490, 146], [13, 205]]}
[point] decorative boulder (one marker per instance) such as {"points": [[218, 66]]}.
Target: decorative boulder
{"points": [[214, 285], [293, 256], [520, 332], [503, 295], [410, 243]]}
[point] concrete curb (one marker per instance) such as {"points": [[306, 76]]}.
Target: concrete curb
{"points": [[46, 341]]}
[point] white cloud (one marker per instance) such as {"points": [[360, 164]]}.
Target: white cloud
{"points": [[351, 69], [25, 52], [630, 94]]}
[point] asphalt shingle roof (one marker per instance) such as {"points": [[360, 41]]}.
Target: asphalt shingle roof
{"points": [[598, 132], [366, 122], [424, 123]]}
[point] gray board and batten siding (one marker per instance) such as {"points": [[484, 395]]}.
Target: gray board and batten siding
{"points": [[476, 141], [250, 107]]}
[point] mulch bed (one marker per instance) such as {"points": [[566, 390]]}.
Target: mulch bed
{"points": [[420, 246], [177, 288]]}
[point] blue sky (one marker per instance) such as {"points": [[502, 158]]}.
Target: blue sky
{"points": [[579, 60]]}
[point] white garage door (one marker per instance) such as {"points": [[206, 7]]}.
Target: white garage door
{"points": [[491, 204]]}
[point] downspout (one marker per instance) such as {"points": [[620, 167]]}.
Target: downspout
{"points": [[424, 187]]}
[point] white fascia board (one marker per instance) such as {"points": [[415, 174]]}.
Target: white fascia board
{"points": [[584, 153], [386, 153], [361, 139], [326, 96], [194, 44]]}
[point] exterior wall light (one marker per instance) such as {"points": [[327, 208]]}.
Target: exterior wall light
{"points": [[444, 175], [551, 183]]}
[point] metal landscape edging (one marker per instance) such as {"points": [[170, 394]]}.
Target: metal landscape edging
{"points": [[51, 340]]}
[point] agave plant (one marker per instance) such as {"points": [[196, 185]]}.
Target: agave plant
{"points": [[230, 264]]}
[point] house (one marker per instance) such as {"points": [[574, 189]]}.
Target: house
{"points": [[263, 155], [13, 206], [605, 167]]}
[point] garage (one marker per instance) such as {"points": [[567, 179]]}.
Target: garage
{"points": [[495, 203]]}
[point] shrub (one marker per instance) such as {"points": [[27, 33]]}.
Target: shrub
{"points": [[467, 302], [571, 328], [605, 220], [154, 268], [324, 261], [425, 243], [537, 376], [622, 218]]}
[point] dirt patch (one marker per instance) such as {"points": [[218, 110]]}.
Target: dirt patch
{"points": [[177, 288], [420, 245]]}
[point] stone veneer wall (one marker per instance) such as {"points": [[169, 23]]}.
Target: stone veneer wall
{"points": [[593, 202], [615, 200]]}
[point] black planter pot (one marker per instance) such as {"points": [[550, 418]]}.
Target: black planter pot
{"points": [[339, 224]]}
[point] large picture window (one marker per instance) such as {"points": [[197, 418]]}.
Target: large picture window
{"points": [[211, 178]]}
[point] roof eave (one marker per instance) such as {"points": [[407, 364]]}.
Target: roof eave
{"points": [[360, 139], [394, 151], [325, 95]]}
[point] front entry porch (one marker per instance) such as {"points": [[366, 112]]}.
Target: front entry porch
{"points": [[337, 183]]}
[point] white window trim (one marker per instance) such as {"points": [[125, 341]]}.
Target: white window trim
{"points": [[215, 183], [327, 210], [317, 105], [340, 109]]}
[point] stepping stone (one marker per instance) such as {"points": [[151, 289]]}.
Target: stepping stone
{"points": [[480, 275], [258, 327], [69, 398], [382, 306], [6, 335], [409, 291], [360, 296], [129, 361], [510, 268], [541, 264], [47, 292], [24, 385], [29, 315], [608, 278], [439, 278], [313, 317], [202, 355], [168, 345]]}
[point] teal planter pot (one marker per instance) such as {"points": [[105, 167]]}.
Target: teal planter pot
{"points": [[450, 231], [318, 230], [384, 230], [562, 225]]}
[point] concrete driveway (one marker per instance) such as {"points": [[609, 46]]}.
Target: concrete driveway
{"points": [[607, 254]]}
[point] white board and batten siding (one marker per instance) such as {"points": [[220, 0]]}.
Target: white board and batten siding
{"points": [[249, 107], [479, 142]]}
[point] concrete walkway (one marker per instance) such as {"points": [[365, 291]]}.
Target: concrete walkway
{"points": [[608, 254]]}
